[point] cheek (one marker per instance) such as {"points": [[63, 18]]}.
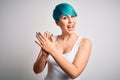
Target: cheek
{"points": [[63, 23], [74, 20]]}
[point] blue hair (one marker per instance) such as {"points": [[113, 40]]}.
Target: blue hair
{"points": [[63, 9]]}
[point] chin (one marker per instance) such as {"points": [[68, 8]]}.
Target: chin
{"points": [[71, 32]]}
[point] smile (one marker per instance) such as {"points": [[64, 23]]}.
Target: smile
{"points": [[70, 27]]}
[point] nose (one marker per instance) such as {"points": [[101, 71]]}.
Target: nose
{"points": [[69, 19]]}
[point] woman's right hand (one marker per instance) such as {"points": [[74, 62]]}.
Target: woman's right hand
{"points": [[47, 35], [41, 60]]}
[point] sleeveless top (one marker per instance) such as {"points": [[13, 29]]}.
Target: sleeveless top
{"points": [[54, 71]]}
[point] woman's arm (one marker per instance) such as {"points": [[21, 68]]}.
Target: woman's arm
{"points": [[75, 69], [80, 61], [41, 61]]}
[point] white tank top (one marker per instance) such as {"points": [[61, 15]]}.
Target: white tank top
{"points": [[54, 71]]}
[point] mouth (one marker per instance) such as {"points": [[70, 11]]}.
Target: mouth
{"points": [[70, 27]]}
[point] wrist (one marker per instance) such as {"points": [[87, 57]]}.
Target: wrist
{"points": [[54, 53], [45, 53]]}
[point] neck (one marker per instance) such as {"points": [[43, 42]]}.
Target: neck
{"points": [[67, 36]]}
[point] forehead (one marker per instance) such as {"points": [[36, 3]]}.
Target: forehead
{"points": [[62, 16], [65, 16]]}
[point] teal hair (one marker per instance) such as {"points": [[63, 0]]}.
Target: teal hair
{"points": [[63, 9]]}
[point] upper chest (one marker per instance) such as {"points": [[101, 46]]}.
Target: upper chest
{"points": [[66, 46]]}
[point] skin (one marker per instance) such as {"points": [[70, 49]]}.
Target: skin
{"points": [[50, 46]]}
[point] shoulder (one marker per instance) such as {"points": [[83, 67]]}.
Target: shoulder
{"points": [[85, 43]]}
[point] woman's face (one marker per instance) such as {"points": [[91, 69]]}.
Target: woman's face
{"points": [[67, 24]]}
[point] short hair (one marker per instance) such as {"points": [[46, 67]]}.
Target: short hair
{"points": [[63, 9]]}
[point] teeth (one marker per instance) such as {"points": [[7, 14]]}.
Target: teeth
{"points": [[70, 26]]}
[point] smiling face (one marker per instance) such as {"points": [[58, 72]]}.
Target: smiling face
{"points": [[67, 24]]}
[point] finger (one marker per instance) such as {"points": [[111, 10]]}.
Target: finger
{"points": [[48, 34], [38, 33], [51, 34], [52, 38], [40, 37], [45, 34], [41, 42], [38, 43]]}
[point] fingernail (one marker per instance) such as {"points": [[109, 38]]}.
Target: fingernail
{"points": [[51, 34], [39, 33], [35, 41]]}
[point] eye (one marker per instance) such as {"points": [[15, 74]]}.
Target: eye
{"points": [[64, 17], [72, 16]]}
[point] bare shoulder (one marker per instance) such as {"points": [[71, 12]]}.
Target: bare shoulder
{"points": [[85, 43]]}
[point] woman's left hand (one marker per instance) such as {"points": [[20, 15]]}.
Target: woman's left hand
{"points": [[47, 44]]}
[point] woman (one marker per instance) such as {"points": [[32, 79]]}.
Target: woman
{"points": [[66, 54]]}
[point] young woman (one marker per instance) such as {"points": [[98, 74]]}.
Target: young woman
{"points": [[66, 54]]}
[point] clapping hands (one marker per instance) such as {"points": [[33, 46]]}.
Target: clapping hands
{"points": [[46, 42]]}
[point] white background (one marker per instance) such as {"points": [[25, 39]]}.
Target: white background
{"points": [[98, 20]]}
